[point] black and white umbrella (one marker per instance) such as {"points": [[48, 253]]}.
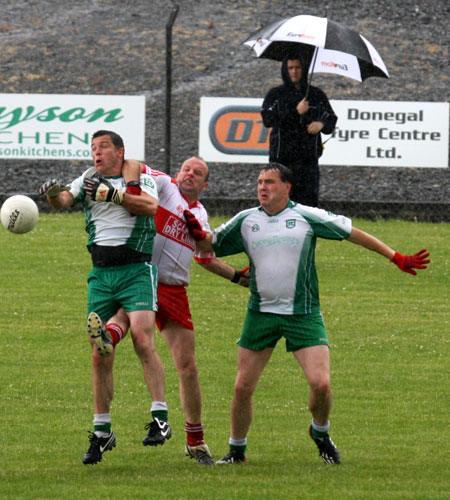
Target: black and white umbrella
{"points": [[326, 46]]}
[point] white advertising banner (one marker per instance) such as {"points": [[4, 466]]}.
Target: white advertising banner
{"points": [[368, 133], [60, 126]]}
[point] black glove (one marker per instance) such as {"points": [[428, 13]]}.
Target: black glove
{"points": [[52, 188], [99, 189]]}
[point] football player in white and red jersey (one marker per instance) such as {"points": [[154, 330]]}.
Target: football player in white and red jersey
{"points": [[173, 250]]}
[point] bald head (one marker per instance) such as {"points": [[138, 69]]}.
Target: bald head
{"points": [[192, 178]]}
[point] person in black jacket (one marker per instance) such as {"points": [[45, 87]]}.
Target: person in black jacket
{"points": [[298, 114]]}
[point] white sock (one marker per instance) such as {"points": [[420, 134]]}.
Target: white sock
{"points": [[238, 442], [158, 406], [320, 428]]}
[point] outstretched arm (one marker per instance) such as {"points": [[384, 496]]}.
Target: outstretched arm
{"points": [[58, 196], [221, 268], [368, 241], [405, 263]]}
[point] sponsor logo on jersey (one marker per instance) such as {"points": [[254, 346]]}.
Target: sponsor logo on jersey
{"points": [[275, 240], [173, 227]]}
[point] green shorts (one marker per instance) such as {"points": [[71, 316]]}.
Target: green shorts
{"points": [[262, 330], [132, 287]]}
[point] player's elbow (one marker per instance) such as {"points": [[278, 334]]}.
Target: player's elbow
{"points": [[148, 205], [150, 209]]}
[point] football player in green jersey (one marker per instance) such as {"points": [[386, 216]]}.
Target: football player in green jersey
{"points": [[279, 238], [119, 222]]}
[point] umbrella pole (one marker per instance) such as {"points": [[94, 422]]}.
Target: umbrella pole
{"points": [[316, 50]]}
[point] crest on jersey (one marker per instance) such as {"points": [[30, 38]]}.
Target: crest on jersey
{"points": [[255, 228], [290, 223]]}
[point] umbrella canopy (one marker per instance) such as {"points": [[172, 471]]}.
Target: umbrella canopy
{"points": [[327, 46]]}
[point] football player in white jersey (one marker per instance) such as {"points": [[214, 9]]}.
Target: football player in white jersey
{"points": [[279, 238], [172, 254], [123, 276]]}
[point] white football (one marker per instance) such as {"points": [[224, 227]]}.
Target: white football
{"points": [[19, 214]]}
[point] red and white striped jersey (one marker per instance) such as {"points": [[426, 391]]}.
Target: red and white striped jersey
{"points": [[174, 247]]}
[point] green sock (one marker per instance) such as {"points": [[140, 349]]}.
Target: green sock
{"points": [[161, 415], [318, 434], [239, 449], [103, 428]]}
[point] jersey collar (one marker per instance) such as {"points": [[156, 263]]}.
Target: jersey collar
{"points": [[190, 205], [290, 204]]}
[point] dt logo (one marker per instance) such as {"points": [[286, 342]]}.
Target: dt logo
{"points": [[239, 130]]}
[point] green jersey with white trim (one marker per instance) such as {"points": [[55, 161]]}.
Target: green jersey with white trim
{"points": [[112, 225], [281, 250]]}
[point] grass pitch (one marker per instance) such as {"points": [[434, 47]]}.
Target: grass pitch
{"points": [[390, 371]]}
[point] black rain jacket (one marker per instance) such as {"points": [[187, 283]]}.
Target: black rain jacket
{"points": [[289, 139]]}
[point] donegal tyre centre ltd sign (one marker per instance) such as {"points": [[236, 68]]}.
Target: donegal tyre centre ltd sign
{"points": [[368, 133], [60, 126]]}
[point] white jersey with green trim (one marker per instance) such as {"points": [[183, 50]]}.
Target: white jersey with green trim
{"points": [[281, 251], [112, 225]]}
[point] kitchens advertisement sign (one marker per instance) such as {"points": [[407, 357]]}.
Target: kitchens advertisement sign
{"points": [[368, 133], [60, 126]]}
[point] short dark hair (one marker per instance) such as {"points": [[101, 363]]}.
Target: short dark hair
{"points": [[115, 138], [284, 172]]}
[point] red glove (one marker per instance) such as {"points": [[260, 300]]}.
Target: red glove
{"points": [[407, 262], [194, 226], [243, 273]]}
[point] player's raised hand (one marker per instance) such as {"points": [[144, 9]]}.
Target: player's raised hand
{"points": [[99, 189], [194, 226], [407, 263], [52, 188]]}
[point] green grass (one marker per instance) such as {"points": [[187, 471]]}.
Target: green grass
{"points": [[390, 351]]}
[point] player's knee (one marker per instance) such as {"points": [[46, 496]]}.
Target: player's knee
{"points": [[143, 343], [120, 319], [99, 362], [243, 390], [321, 385], [187, 368]]}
